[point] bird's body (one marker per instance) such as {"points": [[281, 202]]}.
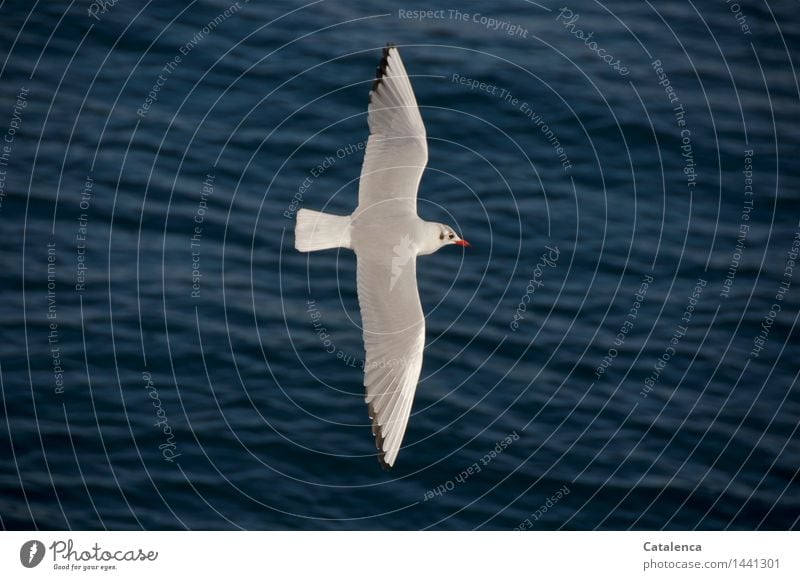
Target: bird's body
{"points": [[368, 235], [387, 235]]}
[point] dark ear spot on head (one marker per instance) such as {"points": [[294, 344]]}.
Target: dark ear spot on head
{"points": [[441, 236]]}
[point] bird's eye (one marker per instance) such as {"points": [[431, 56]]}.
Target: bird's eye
{"points": [[451, 236]]}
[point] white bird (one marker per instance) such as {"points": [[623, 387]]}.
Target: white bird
{"points": [[387, 235]]}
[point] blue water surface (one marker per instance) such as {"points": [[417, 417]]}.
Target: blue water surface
{"points": [[169, 361]]}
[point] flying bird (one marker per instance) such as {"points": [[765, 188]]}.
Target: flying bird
{"points": [[387, 235]]}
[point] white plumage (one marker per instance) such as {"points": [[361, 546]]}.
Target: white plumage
{"points": [[387, 235]]}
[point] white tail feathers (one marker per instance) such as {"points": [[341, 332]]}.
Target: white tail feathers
{"points": [[316, 230]]}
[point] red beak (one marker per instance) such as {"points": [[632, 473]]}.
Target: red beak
{"points": [[464, 243]]}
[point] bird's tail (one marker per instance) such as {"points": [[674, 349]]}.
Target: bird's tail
{"points": [[316, 230]]}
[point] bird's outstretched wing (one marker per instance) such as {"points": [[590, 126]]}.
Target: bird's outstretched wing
{"points": [[397, 150], [394, 338]]}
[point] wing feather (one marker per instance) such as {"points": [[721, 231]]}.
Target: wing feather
{"points": [[394, 338], [397, 150]]}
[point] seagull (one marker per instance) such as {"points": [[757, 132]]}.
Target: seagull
{"points": [[387, 235]]}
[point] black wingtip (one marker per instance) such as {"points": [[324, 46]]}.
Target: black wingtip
{"points": [[378, 433], [380, 71]]}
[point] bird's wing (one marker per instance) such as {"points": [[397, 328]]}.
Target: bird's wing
{"points": [[397, 150], [394, 338]]}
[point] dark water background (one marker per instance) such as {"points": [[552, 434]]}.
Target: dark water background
{"points": [[266, 429]]}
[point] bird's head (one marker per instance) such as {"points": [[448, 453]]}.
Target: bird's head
{"points": [[447, 235], [439, 235]]}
